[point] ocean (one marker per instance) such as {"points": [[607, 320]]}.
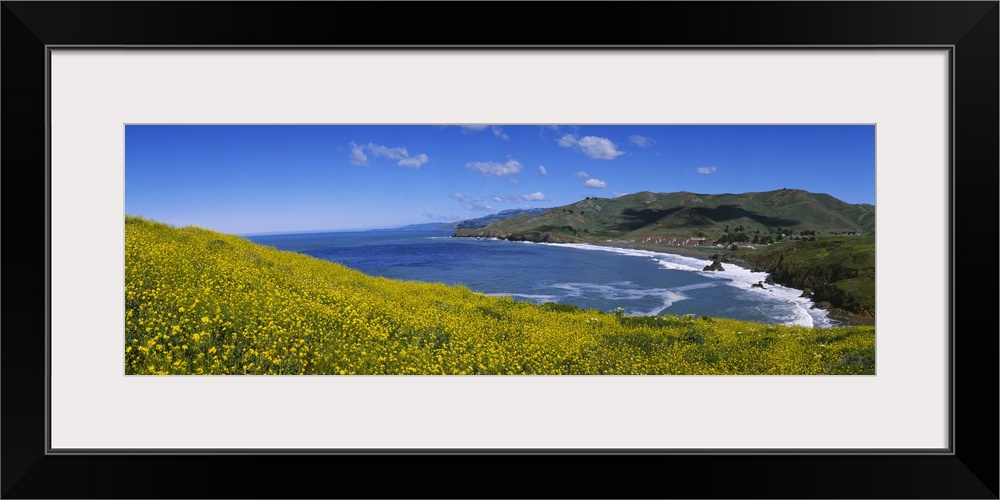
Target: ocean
{"points": [[588, 276]]}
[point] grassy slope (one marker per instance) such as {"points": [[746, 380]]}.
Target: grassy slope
{"points": [[838, 270], [197, 301]]}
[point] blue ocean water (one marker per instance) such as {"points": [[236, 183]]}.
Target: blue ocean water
{"points": [[588, 276]]}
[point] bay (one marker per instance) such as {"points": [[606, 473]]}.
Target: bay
{"points": [[588, 276]]}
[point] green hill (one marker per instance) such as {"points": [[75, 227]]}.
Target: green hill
{"points": [[200, 302], [837, 270], [684, 215]]}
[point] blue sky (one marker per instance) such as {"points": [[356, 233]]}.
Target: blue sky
{"points": [[250, 179]]}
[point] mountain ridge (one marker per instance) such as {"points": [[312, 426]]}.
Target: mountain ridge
{"points": [[686, 214]]}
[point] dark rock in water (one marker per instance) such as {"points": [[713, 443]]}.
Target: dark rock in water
{"points": [[716, 256], [769, 280], [807, 293], [758, 284], [823, 305], [715, 266]]}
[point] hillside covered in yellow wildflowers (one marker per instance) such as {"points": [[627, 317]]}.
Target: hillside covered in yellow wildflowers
{"points": [[202, 302]]}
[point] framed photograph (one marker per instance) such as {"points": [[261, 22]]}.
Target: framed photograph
{"points": [[631, 269], [240, 139]]}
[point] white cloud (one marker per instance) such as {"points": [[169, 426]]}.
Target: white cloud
{"points": [[496, 198], [567, 141], [541, 171], [599, 148], [472, 128], [400, 155], [386, 152], [510, 167], [595, 183], [358, 156], [536, 196], [413, 161], [705, 170], [476, 204], [472, 203], [617, 194], [496, 129], [514, 181], [581, 175], [641, 141]]}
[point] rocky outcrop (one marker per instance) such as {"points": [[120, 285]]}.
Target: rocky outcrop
{"points": [[842, 278], [714, 266]]}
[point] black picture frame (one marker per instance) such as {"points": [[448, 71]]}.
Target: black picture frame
{"points": [[968, 470]]}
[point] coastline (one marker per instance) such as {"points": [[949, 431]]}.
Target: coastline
{"points": [[846, 318]]}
